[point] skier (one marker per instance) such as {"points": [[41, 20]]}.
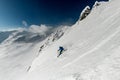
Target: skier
{"points": [[61, 49]]}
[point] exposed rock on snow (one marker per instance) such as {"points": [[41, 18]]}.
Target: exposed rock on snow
{"points": [[85, 13]]}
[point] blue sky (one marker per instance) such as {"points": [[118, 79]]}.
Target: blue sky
{"points": [[49, 12]]}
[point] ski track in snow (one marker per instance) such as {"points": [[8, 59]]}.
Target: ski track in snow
{"points": [[96, 47]]}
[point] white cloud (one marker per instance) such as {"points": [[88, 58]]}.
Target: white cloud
{"points": [[24, 23], [42, 29]]}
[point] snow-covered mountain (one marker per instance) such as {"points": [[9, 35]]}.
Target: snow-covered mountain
{"points": [[92, 50]]}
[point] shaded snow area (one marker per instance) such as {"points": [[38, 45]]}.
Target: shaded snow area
{"points": [[92, 49]]}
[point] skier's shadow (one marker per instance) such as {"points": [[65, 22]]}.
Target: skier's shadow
{"points": [[64, 54]]}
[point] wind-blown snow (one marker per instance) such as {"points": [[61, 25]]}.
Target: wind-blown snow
{"points": [[92, 50]]}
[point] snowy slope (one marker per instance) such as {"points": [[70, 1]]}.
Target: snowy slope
{"points": [[92, 49], [20, 47]]}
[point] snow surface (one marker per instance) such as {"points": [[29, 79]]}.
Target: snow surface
{"points": [[16, 55], [92, 50]]}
